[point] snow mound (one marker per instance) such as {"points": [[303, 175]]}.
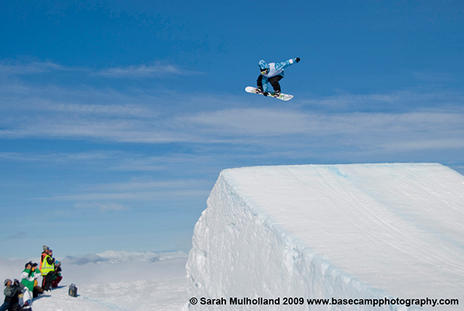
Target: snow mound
{"points": [[323, 231]]}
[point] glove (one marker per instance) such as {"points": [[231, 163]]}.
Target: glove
{"points": [[297, 59]]}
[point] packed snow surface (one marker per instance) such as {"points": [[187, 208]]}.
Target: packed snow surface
{"points": [[113, 280], [321, 231]]}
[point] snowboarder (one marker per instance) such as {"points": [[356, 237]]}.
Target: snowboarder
{"points": [[272, 73]]}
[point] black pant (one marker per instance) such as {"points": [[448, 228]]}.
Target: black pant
{"points": [[47, 281], [273, 80]]}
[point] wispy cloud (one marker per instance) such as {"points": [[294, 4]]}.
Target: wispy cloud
{"points": [[101, 206], [253, 122], [153, 70], [397, 101], [138, 117], [274, 122], [431, 121], [121, 196], [144, 71], [151, 196], [426, 144], [56, 157], [144, 184], [16, 68]]}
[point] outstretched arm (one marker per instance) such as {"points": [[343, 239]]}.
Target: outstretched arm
{"points": [[287, 63]]}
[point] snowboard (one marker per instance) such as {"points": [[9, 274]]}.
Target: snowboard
{"points": [[282, 96]]}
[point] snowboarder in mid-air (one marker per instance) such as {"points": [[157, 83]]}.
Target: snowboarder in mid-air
{"points": [[272, 73]]}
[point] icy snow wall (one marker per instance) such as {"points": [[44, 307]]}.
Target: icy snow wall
{"points": [[322, 231]]}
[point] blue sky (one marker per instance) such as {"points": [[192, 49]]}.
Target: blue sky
{"points": [[116, 117]]}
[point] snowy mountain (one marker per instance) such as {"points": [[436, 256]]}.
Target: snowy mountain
{"points": [[331, 231]]}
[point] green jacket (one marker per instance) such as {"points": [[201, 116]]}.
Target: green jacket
{"points": [[27, 279]]}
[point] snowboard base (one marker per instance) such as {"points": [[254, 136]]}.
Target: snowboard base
{"points": [[282, 96]]}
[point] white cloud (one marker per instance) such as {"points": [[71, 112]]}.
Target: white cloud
{"points": [[15, 68], [403, 100], [101, 206], [136, 116], [263, 126], [153, 70], [124, 195], [151, 196], [426, 144], [56, 157], [251, 122], [143, 71], [141, 184]]}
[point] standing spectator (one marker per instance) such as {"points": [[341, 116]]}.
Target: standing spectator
{"points": [[45, 249], [47, 270]]}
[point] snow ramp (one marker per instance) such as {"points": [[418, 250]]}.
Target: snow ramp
{"points": [[364, 232]]}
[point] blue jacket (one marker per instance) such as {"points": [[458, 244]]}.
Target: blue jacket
{"points": [[274, 69]]}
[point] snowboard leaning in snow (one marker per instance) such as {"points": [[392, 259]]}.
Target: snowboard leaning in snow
{"points": [[282, 96]]}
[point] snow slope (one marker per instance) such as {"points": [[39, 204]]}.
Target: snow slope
{"points": [[322, 231], [114, 281]]}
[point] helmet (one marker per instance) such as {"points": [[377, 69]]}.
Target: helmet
{"points": [[263, 66]]}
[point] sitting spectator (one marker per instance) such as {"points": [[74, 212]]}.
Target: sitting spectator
{"points": [[7, 292], [56, 277], [11, 291], [37, 289], [25, 300], [27, 277]]}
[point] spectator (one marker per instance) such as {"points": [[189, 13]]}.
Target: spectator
{"points": [[56, 277], [37, 289], [44, 253], [27, 277], [7, 292], [11, 291], [25, 300], [47, 271]]}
